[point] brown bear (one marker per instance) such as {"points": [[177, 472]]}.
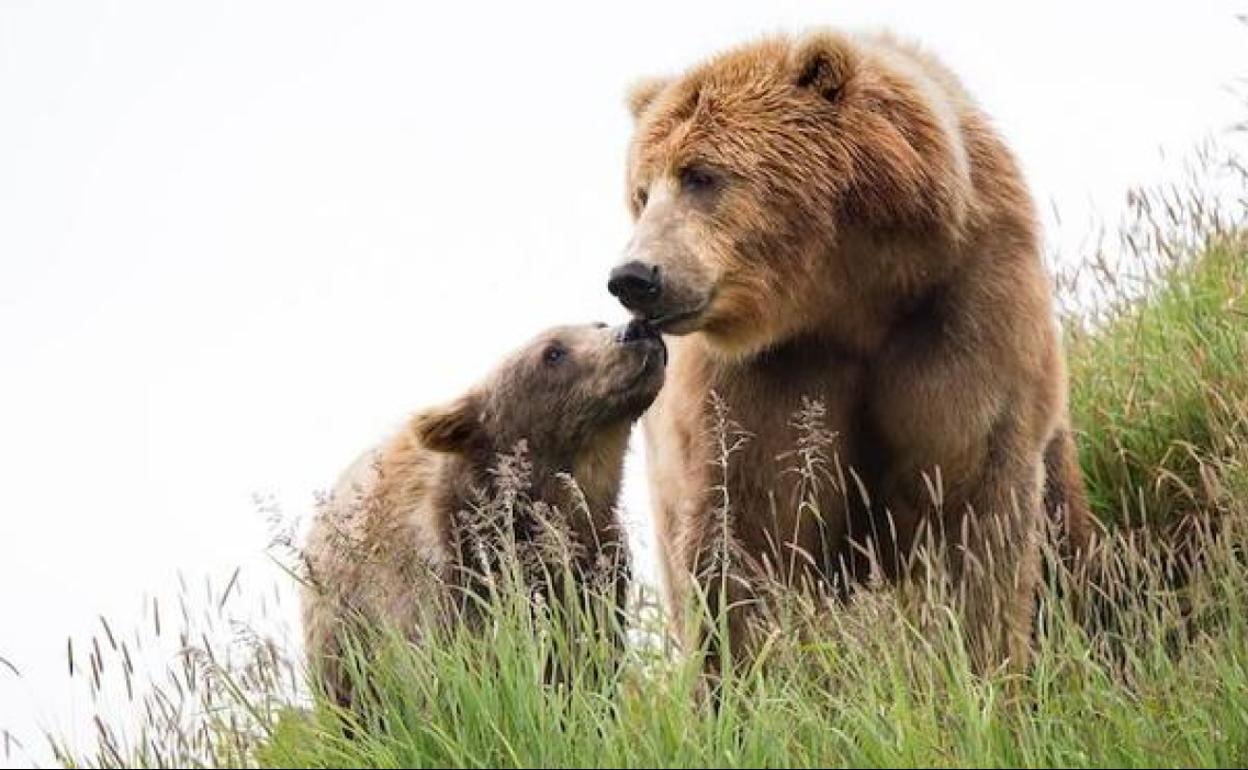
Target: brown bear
{"points": [[394, 544], [831, 217]]}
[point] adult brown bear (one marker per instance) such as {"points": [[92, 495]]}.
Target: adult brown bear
{"points": [[832, 217]]}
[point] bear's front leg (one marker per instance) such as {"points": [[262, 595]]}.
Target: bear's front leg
{"points": [[726, 603], [993, 546]]}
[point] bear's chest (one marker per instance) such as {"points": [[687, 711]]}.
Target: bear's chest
{"points": [[791, 412], [775, 440]]}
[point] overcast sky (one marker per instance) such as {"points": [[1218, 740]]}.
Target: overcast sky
{"points": [[240, 241]]}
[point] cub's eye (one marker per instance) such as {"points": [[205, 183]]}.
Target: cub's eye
{"points": [[554, 354], [641, 197], [694, 179]]}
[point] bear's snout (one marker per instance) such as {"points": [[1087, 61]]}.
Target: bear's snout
{"points": [[635, 284]]}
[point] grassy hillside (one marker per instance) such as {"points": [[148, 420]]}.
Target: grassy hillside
{"points": [[1160, 396], [1159, 392], [1160, 400]]}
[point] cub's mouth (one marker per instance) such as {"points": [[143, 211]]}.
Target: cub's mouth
{"points": [[641, 334]]}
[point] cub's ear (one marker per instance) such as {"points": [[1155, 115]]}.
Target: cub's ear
{"points": [[824, 62], [449, 428], [643, 92]]}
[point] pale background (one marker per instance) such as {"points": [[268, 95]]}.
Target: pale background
{"points": [[239, 241]]}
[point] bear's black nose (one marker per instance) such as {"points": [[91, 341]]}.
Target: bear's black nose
{"points": [[635, 284], [638, 330]]}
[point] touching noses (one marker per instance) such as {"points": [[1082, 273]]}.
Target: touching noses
{"points": [[635, 284]]}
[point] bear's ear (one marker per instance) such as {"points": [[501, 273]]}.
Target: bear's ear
{"points": [[823, 62], [643, 92], [449, 428]]}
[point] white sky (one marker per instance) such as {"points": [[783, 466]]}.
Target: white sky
{"points": [[238, 242]]}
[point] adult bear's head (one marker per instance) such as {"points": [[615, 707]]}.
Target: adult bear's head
{"points": [[781, 186]]}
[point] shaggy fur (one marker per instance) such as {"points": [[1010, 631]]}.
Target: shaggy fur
{"points": [[833, 217], [397, 542]]}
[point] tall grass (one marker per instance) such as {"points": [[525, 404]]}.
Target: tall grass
{"points": [[1157, 676], [1157, 371]]}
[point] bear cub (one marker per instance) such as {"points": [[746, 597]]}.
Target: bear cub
{"points": [[398, 542]]}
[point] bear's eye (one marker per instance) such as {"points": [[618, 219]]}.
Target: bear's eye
{"points": [[641, 197], [694, 179], [554, 353]]}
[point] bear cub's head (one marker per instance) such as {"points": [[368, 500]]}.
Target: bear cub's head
{"points": [[559, 394]]}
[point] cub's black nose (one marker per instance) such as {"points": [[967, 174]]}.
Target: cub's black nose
{"points": [[635, 284], [638, 330], [641, 333]]}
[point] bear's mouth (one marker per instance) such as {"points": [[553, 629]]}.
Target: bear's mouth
{"points": [[678, 321]]}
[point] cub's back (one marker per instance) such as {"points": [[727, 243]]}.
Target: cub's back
{"points": [[377, 550]]}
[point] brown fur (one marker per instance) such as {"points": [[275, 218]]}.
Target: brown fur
{"points": [[833, 217], [390, 546]]}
